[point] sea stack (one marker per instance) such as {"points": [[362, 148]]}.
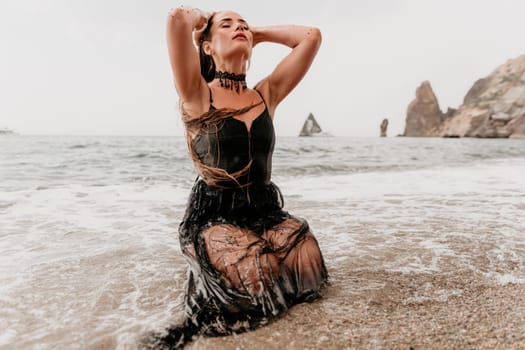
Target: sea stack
{"points": [[310, 127], [383, 127], [423, 114]]}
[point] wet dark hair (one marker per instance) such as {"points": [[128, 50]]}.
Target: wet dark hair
{"points": [[207, 63]]}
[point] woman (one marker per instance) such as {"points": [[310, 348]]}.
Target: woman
{"points": [[249, 260]]}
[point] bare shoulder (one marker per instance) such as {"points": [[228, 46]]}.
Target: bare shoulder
{"points": [[263, 87]]}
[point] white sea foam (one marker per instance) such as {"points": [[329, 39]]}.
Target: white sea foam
{"points": [[91, 257], [506, 278], [420, 220]]}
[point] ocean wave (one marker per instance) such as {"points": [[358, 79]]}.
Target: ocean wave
{"points": [[5, 205], [84, 145], [139, 155], [171, 157], [150, 160], [332, 169]]}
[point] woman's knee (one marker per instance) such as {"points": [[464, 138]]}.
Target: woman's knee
{"points": [[226, 244], [218, 232], [305, 253]]}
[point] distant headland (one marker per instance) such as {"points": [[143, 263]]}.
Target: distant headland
{"points": [[494, 107]]}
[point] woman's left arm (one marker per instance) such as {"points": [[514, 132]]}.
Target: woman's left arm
{"points": [[304, 42]]}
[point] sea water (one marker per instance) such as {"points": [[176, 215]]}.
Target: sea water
{"points": [[89, 253]]}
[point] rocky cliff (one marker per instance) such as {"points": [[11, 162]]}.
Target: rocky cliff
{"points": [[493, 107]]}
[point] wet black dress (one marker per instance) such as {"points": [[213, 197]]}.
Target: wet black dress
{"points": [[249, 260]]}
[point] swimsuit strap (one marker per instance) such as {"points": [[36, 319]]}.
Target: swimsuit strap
{"points": [[262, 98], [211, 98], [260, 95]]}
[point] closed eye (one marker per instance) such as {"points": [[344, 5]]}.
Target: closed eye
{"points": [[227, 22]]}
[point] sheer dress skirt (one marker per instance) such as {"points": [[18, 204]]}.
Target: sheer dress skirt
{"points": [[249, 260]]}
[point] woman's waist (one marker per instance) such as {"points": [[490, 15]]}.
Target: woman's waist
{"points": [[255, 173], [232, 196]]}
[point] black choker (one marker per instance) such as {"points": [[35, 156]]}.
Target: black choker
{"points": [[231, 81]]}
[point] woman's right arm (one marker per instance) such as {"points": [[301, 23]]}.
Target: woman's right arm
{"points": [[184, 57]]}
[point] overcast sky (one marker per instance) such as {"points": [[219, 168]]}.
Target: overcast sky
{"points": [[101, 66]]}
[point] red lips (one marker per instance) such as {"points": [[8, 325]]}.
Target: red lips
{"points": [[240, 35]]}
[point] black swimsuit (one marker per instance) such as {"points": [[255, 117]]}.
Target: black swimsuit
{"points": [[238, 276], [233, 146]]}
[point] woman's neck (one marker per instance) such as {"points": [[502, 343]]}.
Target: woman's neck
{"points": [[235, 65]]}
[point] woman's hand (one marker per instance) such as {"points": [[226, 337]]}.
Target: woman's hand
{"points": [[201, 19], [202, 22], [198, 17]]}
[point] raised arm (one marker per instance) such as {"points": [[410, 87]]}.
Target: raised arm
{"points": [[304, 41], [184, 57]]}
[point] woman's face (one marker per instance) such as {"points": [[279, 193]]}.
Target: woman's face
{"points": [[230, 35]]}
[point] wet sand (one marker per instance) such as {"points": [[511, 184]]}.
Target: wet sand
{"points": [[382, 310]]}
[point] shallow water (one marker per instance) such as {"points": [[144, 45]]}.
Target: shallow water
{"points": [[89, 251]]}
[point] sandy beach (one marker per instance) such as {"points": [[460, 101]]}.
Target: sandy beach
{"points": [[423, 252], [396, 311]]}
